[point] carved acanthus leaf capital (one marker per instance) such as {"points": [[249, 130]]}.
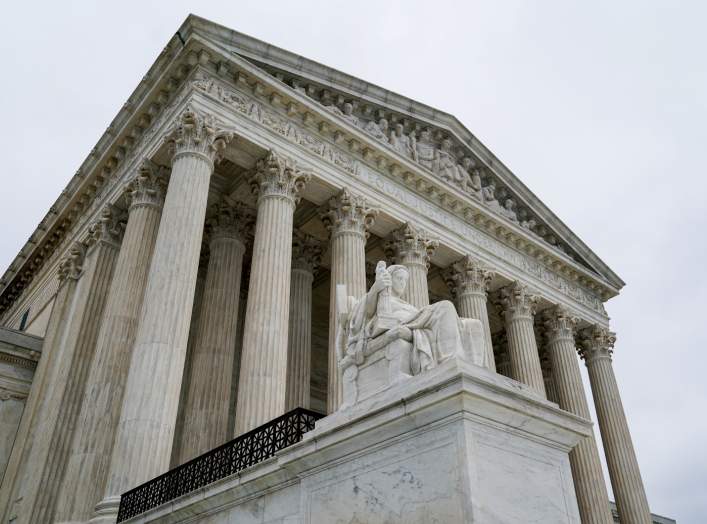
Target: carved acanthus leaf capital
{"points": [[230, 220], [71, 266], [108, 229], [348, 212], [410, 245], [559, 323], [596, 342], [278, 176], [148, 186], [306, 251], [198, 133], [516, 300], [468, 275]]}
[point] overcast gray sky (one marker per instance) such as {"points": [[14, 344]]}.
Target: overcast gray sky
{"points": [[599, 107]]}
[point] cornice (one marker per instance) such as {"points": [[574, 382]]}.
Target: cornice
{"points": [[324, 76]]}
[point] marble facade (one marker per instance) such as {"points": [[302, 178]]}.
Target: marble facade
{"points": [[281, 181]]}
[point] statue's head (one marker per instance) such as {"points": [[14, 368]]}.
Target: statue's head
{"points": [[399, 278], [348, 108]]}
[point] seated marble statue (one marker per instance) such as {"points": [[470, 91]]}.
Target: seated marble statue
{"points": [[416, 339]]}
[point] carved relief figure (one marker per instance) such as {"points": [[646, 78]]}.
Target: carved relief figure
{"points": [[420, 338], [508, 210], [447, 163], [348, 114], [426, 153], [402, 143], [378, 130], [489, 196]]}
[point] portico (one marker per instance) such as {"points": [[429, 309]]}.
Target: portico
{"points": [[255, 165]]}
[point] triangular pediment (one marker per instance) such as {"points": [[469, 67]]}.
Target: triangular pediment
{"points": [[435, 140]]}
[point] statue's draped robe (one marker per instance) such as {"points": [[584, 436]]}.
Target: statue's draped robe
{"points": [[437, 332]]}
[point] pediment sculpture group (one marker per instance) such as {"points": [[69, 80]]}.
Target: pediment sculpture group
{"points": [[440, 160], [381, 328]]}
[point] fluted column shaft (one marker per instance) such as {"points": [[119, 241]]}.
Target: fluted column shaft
{"points": [[589, 485], [412, 247], [469, 282], [518, 307], [87, 469], [306, 253], [263, 374], [60, 408], [71, 268], [145, 431], [625, 475], [207, 401], [348, 217], [175, 460]]}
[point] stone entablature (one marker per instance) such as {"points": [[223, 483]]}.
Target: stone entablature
{"points": [[459, 220], [365, 158]]}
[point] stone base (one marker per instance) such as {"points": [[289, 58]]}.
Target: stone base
{"points": [[455, 444]]}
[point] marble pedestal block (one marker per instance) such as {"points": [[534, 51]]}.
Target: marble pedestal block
{"points": [[455, 444]]}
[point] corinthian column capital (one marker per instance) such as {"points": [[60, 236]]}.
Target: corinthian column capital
{"points": [[348, 213], [596, 342], [466, 276], [227, 220], [198, 134], [71, 266], [516, 300], [278, 176], [148, 186], [559, 323], [411, 245], [306, 251], [107, 229]]}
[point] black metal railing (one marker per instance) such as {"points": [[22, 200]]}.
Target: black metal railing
{"points": [[247, 450]]}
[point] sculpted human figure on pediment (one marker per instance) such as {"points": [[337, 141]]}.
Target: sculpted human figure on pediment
{"points": [[348, 114], [425, 150], [402, 143], [447, 162], [378, 130], [489, 196], [508, 210], [413, 340]]}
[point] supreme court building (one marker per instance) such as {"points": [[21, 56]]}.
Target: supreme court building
{"points": [[187, 327]]}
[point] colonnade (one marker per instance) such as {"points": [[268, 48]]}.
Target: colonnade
{"points": [[132, 305]]}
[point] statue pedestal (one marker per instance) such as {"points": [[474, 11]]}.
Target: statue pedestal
{"points": [[455, 444]]}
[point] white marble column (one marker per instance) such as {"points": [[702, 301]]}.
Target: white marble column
{"points": [[145, 433], [412, 247], [236, 370], [306, 255], [87, 469], [347, 217], [261, 387], [469, 281], [592, 496], [517, 305], [174, 461], [59, 411], [207, 400], [596, 347], [70, 270]]}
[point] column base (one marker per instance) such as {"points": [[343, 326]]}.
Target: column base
{"points": [[106, 511]]}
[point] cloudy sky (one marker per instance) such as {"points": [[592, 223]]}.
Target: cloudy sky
{"points": [[599, 107]]}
